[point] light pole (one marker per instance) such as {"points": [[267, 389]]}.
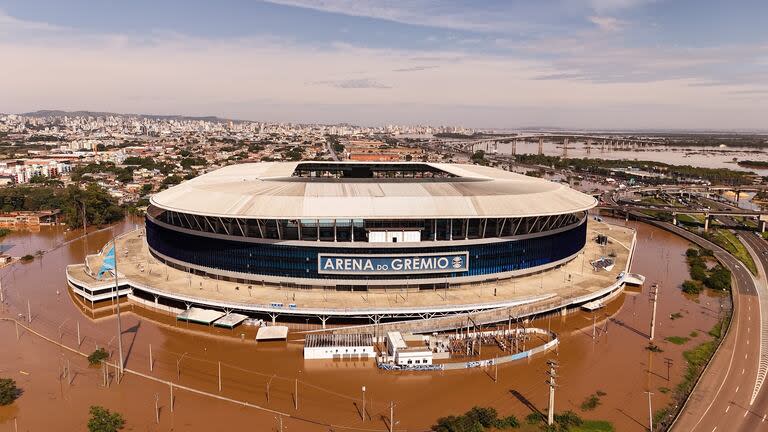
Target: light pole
{"points": [[178, 365], [117, 298]]}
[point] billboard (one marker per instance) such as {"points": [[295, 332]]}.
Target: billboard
{"points": [[347, 264]]}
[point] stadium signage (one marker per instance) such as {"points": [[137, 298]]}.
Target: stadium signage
{"points": [[393, 264]]}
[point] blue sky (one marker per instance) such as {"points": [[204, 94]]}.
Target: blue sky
{"points": [[567, 63]]}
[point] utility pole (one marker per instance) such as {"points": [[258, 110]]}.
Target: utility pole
{"points": [[552, 375], [650, 412], [296, 394], [117, 298], [654, 299], [151, 363], [668, 361], [363, 403], [219, 376], [391, 416]]}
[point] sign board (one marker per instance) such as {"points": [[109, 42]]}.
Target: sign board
{"points": [[404, 264]]}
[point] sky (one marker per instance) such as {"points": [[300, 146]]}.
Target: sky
{"points": [[591, 64]]}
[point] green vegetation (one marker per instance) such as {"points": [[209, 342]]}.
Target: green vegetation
{"points": [[148, 163], [98, 356], [592, 401], [476, 419], [593, 426], [753, 164], [693, 334], [696, 358], [27, 258], [664, 390], [676, 315], [689, 219], [193, 161], [569, 421], [103, 420], [8, 391], [728, 241], [123, 175], [677, 340], [100, 207], [4, 232], [478, 158], [718, 278], [604, 166]]}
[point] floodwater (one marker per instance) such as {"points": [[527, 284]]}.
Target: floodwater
{"points": [[329, 392], [705, 157]]}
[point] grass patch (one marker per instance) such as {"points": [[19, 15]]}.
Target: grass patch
{"points": [[693, 334], [690, 219], [592, 401], [728, 241], [593, 426], [677, 340], [675, 316], [664, 390]]}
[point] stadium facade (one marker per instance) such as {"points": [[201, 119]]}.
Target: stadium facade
{"points": [[355, 226]]}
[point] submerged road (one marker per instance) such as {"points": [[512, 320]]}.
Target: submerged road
{"points": [[723, 398]]}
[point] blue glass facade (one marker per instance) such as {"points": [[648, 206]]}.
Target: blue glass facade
{"points": [[301, 262]]}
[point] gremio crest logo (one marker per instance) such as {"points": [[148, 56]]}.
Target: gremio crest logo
{"points": [[393, 264]]}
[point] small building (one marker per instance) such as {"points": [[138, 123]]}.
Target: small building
{"points": [[338, 346], [403, 355]]}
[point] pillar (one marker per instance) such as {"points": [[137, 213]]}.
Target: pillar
{"points": [[674, 219], [762, 226], [706, 222]]}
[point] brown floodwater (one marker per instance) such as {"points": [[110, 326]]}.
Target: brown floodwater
{"points": [[329, 392]]}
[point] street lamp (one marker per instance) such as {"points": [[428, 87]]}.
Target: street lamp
{"points": [[178, 365]]}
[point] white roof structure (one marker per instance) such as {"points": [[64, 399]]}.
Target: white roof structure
{"points": [[268, 191]]}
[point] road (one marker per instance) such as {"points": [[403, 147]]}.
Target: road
{"points": [[721, 399]]}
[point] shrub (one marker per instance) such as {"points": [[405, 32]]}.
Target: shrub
{"points": [[8, 391], [98, 356], [691, 287], [103, 420]]}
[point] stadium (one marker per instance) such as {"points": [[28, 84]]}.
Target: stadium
{"points": [[306, 237]]}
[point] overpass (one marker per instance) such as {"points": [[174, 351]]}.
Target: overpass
{"points": [[708, 214]]}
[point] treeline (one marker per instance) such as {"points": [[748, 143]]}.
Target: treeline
{"points": [[100, 207], [718, 278], [753, 164], [603, 166]]}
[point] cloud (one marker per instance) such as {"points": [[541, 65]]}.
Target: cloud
{"points": [[361, 83], [607, 23], [414, 69], [578, 81], [428, 13]]}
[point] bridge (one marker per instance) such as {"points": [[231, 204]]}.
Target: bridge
{"points": [[708, 214]]}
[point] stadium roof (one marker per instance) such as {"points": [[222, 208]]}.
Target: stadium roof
{"points": [[272, 190]]}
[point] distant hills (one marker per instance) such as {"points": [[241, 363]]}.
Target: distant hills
{"points": [[61, 113]]}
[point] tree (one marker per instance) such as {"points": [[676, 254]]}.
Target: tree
{"points": [[98, 356], [103, 420], [691, 287], [8, 391], [146, 188]]}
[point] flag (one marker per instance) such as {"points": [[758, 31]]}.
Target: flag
{"points": [[108, 263]]}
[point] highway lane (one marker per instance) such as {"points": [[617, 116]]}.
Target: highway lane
{"points": [[721, 400], [760, 397]]}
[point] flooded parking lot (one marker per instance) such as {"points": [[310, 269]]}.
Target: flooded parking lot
{"points": [[271, 375]]}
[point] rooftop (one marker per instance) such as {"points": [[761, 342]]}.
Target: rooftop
{"points": [[333, 190]]}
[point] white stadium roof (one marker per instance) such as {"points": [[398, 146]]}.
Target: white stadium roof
{"points": [[268, 191]]}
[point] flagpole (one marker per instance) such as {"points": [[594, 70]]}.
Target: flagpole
{"points": [[117, 297]]}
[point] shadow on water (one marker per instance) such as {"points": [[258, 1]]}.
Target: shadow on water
{"points": [[629, 327], [528, 404], [135, 331]]}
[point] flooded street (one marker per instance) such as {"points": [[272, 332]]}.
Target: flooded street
{"points": [[705, 157], [268, 375]]}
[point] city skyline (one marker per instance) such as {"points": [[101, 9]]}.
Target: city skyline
{"points": [[600, 64]]}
